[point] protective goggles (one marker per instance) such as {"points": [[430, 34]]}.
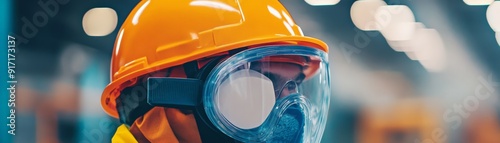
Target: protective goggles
{"points": [[265, 94]]}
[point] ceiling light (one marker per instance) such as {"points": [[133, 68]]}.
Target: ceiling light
{"points": [[363, 14], [498, 38], [493, 16], [99, 21], [478, 2], [397, 22], [322, 2], [406, 45]]}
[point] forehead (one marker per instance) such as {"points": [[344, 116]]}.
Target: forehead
{"points": [[280, 68]]}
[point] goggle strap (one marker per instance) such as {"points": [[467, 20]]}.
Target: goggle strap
{"points": [[170, 92]]}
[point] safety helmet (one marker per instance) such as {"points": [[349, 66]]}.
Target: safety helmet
{"points": [[159, 34]]}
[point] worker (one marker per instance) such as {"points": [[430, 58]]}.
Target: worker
{"points": [[216, 71]]}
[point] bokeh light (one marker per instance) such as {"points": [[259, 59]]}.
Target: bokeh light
{"points": [[99, 21], [498, 37], [322, 2], [397, 22], [429, 50], [478, 2], [405, 45], [363, 14], [493, 16]]}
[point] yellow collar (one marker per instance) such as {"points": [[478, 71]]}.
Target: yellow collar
{"points": [[123, 135]]}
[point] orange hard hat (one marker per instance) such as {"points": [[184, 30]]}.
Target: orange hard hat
{"points": [[160, 33]]}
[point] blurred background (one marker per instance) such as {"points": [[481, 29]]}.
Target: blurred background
{"points": [[403, 71]]}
